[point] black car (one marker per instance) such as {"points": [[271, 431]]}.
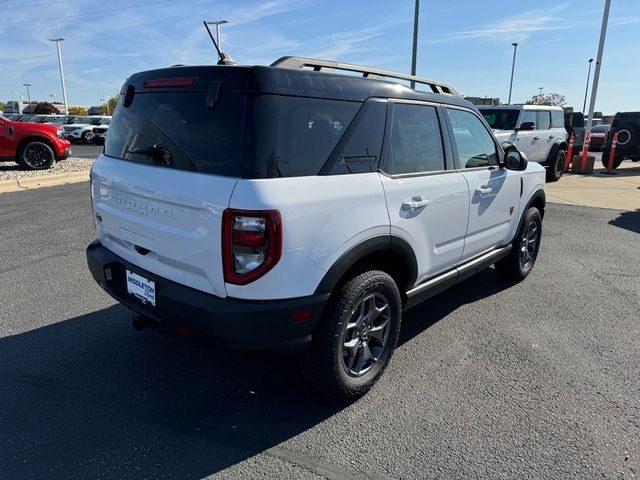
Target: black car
{"points": [[627, 126]]}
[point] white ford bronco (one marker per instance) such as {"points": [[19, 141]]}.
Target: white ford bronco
{"points": [[538, 131], [286, 207]]}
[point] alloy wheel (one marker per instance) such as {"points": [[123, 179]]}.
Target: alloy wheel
{"points": [[366, 337], [529, 244]]}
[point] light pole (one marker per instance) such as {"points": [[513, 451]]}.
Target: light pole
{"points": [[217, 23], [105, 99], [19, 102], [584, 105], [64, 90], [540, 88], [414, 52], [596, 73], [28, 94], [513, 66]]}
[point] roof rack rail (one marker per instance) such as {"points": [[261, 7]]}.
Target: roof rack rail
{"points": [[298, 63]]}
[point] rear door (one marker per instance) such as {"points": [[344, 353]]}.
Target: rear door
{"points": [[171, 162], [493, 193], [546, 133], [427, 200], [528, 141]]}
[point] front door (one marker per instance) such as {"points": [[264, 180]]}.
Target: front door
{"points": [[427, 202], [5, 141], [494, 192]]}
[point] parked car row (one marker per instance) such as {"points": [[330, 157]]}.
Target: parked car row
{"points": [[33, 146], [76, 128]]}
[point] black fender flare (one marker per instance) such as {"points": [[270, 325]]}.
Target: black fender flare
{"points": [[379, 243], [557, 145], [538, 197]]}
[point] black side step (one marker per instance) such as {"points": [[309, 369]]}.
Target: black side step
{"points": [[440, 283]]}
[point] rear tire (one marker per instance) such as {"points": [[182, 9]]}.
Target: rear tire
{"points": [[356, 336], [524, 250], [36, 155], [87, 138], [556, 168]]}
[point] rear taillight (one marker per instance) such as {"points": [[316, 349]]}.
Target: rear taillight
{"points": [[251, 244]]}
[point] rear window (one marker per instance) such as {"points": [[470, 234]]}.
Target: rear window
{"points": [[196, 138]]}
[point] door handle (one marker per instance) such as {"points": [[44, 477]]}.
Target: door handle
{"points": [[483, 190], [536, 138], [414, 203], [551, 136]]}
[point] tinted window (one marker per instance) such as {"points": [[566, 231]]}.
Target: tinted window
{"points": [[499, 118], [415, 140], [198, 138], [473, 143], [544, 120], [359, 149], [294, 136], [529, 116], [557, 119]]}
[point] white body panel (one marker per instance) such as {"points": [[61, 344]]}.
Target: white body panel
{"points": [[494, 205], [176, 215], [436, 231], [322, 218]]}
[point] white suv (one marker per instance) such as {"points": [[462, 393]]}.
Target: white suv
{"points": [[536, 130], [285, 208]]}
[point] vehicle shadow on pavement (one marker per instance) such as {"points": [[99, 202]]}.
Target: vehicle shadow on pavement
{"points": [[92, 398], [627, 220], [482, 285]]}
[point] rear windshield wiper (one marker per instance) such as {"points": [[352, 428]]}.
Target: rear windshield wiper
{"points": [[160, 154]]}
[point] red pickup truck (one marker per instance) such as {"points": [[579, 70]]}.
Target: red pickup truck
{"points": [[33, 146]]}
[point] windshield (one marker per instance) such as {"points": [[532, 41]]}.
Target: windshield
{"points": [[500, 119]]}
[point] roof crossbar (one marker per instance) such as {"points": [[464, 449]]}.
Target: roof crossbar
{"points": [[299, 63]]}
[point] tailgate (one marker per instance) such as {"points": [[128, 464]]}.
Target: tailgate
{"points": [[163, 220]]}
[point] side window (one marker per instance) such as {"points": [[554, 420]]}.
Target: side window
{"points": [[529, 116], [359, 149], [557, 119], [415, 142], [544, 120], [474, 144]]}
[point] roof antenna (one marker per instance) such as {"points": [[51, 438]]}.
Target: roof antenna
{"points": [[224, 59]]}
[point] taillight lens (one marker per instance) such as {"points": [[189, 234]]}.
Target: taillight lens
{"points": [[251, 244]]}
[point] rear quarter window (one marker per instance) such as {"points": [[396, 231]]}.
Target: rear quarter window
{"points": [[294, 136], [557, 119]]}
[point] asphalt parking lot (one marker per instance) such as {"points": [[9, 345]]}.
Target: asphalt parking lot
{"points": [[537, 380]]}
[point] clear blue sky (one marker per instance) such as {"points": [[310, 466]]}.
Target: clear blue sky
{"points": [[466, 42]]}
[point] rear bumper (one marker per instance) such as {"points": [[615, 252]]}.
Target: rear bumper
{"points": [[233, 323]]}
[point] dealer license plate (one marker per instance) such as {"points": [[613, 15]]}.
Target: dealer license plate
{"points": [[141, 288]]}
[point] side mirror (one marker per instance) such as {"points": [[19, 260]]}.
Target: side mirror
{"points": [[527, 126], [515, 160]]}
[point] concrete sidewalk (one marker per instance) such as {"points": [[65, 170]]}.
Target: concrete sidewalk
{"points": [[619, 192]]}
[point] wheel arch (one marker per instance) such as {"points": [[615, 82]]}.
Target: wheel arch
{"points": [[36, 138], [557, 145], [386, 252]]}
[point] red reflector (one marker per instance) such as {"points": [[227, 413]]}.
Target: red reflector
{"points": [[170, 82], [184, 331], [249, 239], [301, 316]]}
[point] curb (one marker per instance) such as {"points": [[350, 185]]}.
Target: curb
{"points": [[30, 183]]}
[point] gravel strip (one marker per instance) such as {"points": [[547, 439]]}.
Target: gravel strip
{"points": [[12, 171]]}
